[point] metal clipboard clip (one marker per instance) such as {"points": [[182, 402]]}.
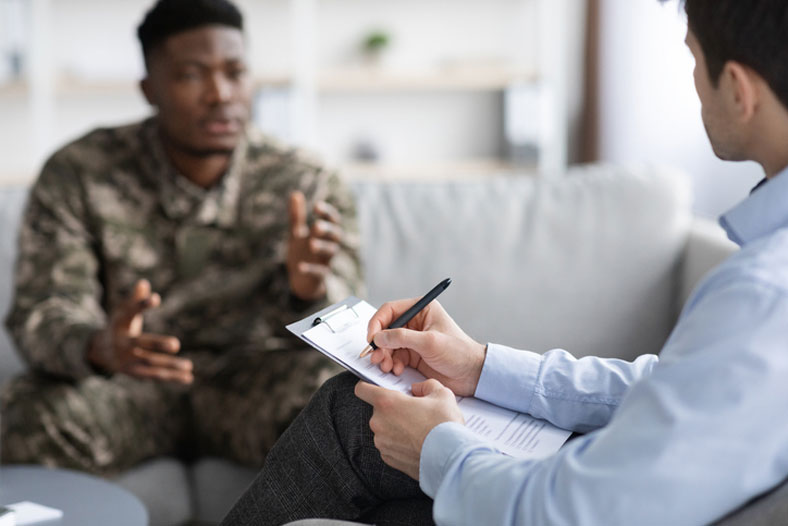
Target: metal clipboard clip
{"points": [[338, 319]]}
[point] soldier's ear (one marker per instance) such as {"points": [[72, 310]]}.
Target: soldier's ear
{"points": [[145, 87]]}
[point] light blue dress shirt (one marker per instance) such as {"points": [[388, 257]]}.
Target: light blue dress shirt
{"points": [[679, 440]]}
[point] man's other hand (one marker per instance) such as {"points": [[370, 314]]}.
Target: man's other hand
{"points": [[122, 347], [431, 342], [401, 423], [310, 250]]}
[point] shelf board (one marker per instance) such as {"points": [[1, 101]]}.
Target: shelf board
{"points": [[448, 79], [67, 85], [438, 170], [336, 81], [14, 88], [272, 81]]}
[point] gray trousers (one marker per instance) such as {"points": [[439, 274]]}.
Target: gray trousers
{"points": [[326, 466]]}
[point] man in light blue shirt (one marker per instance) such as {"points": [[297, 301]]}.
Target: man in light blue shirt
{"points": [[682, 439]]}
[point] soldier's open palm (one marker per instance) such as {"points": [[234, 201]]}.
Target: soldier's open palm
{"points": [[123, 347], [310, 250]]}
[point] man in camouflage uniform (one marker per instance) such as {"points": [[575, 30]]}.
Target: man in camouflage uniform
{"points": [[159, 263]]}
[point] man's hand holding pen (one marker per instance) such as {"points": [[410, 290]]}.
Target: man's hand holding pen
{"points": [[435, 345], [431, 342]]}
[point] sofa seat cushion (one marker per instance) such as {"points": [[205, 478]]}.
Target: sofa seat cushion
{"points": [[216, 485], [162, 484]]}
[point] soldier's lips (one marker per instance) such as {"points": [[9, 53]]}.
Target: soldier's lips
{"points": [[221, 126]]}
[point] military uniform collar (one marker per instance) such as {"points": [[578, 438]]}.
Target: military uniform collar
{"points": [[183, 200]]}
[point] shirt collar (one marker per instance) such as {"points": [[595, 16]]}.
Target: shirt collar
{"points": [[760, 214], [180, 198]]}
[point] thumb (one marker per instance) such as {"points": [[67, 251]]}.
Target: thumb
{"points": [[297, 212], [140, 300], [427, 387], [141, 291], [420, 341]]}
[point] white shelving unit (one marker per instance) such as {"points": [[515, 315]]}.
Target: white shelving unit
{"points": [[464, 80]]}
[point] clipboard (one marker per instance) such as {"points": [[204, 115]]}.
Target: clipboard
{"points": [[339, 332], [336, 322], [300, 327]]}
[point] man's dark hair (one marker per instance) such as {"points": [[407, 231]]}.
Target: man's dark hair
{"points": [[751, 32], [169, 17]]}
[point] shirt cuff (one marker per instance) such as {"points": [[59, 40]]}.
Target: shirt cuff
{"points": [[440, 450], [509, 377]]}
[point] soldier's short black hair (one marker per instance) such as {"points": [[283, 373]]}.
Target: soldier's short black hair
{"points": [[169, 17]]}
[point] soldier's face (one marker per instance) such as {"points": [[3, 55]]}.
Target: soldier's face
{"points": [[198, 81]]}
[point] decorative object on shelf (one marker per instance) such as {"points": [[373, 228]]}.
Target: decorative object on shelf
{"points": [[374, 45], [13, 28], [15, 63], [367, 151]]}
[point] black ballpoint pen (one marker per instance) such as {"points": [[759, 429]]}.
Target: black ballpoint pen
{"points": [[411, 312]]}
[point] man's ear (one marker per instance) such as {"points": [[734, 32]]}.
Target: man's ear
{"points": [[741, 83], [147, 91]]}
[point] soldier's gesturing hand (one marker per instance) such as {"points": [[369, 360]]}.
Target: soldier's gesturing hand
{"points": [[310, 250], [122, 347]]}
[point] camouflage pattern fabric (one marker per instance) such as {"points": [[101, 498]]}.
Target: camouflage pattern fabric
{"points": [[108, 210]]}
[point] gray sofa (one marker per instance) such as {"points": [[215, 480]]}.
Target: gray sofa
{"points": [[598, 262]]}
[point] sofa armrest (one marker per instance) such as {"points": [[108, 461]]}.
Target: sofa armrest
{"points": [[707, 247]]}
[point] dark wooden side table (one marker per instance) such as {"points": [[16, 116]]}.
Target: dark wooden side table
{"points": [[84, 499]]}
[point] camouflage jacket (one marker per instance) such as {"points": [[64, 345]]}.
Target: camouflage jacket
{"points": [[109, 209]]}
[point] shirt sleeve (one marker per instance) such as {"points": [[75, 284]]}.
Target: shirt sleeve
{"points": [[697, 438], [577, 394], [56, 308]]}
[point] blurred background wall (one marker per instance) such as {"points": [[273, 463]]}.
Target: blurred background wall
{"points": [[412, 88], [647, 106]]}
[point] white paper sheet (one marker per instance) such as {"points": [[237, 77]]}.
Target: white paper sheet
{"points": [[343, 336]]}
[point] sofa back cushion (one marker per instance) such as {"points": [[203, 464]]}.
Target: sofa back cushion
{"points": [[587, 262], [12, 203]]}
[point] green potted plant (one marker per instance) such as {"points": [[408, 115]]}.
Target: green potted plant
{"points": [[374, 45]]}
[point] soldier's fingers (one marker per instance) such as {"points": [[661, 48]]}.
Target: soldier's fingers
{"points": [[314, 270], [162, 360], [326, 230], [323, 250], [156, 342], [328, 212], [135, 306], [159, 373], [297, 212], [140, 291]]}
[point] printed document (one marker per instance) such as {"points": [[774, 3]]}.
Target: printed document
{"points": [[341, 334]]}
